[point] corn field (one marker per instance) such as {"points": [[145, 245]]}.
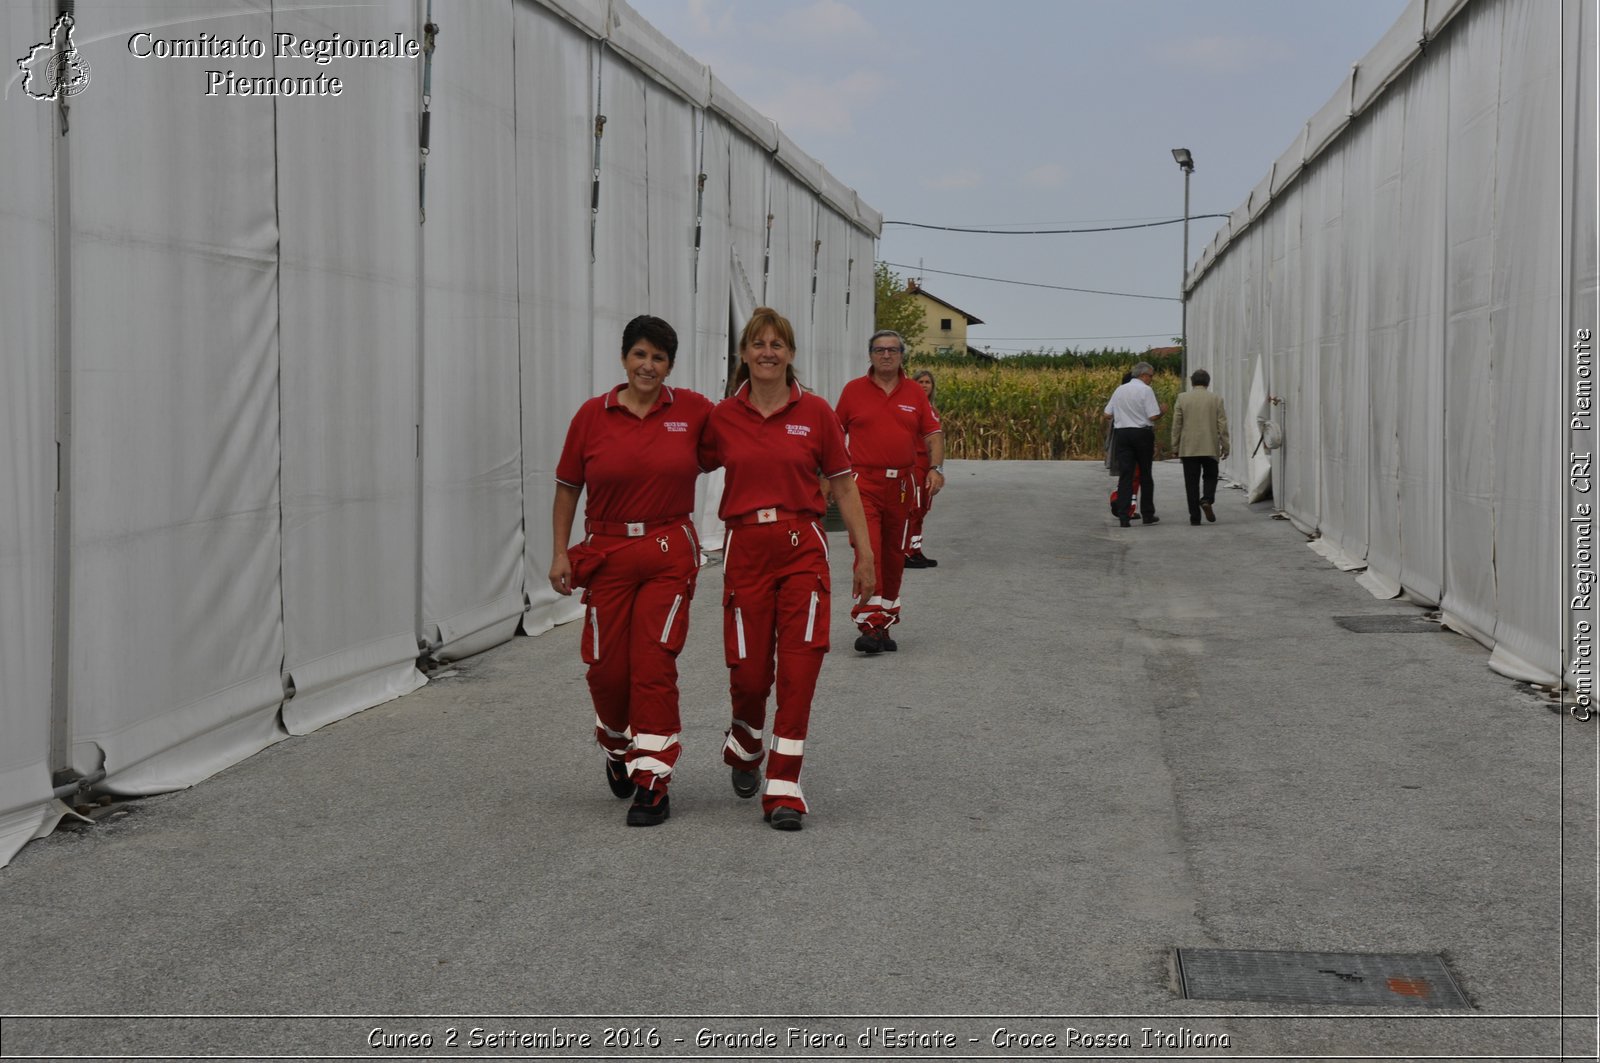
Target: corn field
{"points": [[994, 412]]}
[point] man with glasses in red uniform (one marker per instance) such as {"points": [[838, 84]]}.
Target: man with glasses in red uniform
{"points": [[883, 414]]}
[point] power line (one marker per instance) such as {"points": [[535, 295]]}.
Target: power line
{"points": [[1050, 232], [1033, 284]]}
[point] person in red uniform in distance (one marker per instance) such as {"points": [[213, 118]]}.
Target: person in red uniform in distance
{"points": [[923, 501], [882, 414], [635, 449], [777, 441]]}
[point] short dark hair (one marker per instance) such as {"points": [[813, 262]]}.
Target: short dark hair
{"points": [[654, 331], [1200, 378]]}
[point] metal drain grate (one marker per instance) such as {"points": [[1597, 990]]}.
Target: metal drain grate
{"points": [[1387, 624], [1363, 979]]}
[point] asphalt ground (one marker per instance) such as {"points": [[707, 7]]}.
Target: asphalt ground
{"points": [[1094, 747]]}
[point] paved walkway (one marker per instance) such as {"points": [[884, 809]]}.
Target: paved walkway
{"points": [[1095, 746]]}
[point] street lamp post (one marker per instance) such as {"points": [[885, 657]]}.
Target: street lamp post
{"points": [[1185, 162]]}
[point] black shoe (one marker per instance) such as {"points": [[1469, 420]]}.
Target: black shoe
{"points": [[617, 778], [785, 818], [916, 561], [1152, 519], [1125, 522], [1211, 515], [745, 783], [868, 642], [645, 812], [1195, 521], [927, 562], [887, 644]]}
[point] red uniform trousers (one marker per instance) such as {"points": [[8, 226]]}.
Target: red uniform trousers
{"points": [[774, 626], [634, 624], [887, 501], [921, 502]]}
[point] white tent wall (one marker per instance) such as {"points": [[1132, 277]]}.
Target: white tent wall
{"points": [[829, 336], [351, 341], [307, 434], [472, 556], [555, 82], [1427, 276], [1526, 293], [27, 438], [174, 629], [712, 298], [1582, 256]]}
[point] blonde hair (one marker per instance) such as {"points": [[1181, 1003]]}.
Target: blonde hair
{"points": [[762, 320]]}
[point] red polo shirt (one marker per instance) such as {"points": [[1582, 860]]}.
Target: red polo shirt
{"points": [[773, 462], [636, 469], [884, 428]]}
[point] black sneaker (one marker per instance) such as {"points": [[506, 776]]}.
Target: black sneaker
{"points": [[1152, 519], [916, 561], [617, 778], [887, 644], [785, 818], [928, 562], [868, 642], [649, 808], [745, 783]]}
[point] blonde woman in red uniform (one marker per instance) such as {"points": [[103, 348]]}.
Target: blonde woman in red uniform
{"points": [[777, 441], [635, 449]]}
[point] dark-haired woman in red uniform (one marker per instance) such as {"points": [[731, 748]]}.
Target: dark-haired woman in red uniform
{"points": [[635, 449], [777, 442]]}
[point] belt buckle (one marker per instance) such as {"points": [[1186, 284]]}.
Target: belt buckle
{"points": [[766, 516], [635, 530], [892, 474]]}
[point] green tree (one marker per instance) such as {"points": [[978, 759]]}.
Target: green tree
{"points": [[895, 307]]}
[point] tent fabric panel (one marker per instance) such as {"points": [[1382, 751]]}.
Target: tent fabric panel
{"points": [[792, 158], [1390, 295], [350, 342], [1581, 253], [472, 574], [1389, 57], [1471, 434], [724, 102], [829, 331], [621, 247], [593, 17], [173, 376], [1331, 119], [709, 346], [670, 193], [788, 284], [27, 438], [1424, 97], [650, 52], [555, 95], [1526, 294]]}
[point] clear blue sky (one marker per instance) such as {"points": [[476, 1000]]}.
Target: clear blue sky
{"points": [[1037, 114]]}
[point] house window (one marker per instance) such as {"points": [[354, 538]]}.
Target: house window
{"points": [[944, 324]]}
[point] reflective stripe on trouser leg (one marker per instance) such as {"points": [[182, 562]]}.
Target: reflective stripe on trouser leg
{"points": [[652, 758], [660, 625], [797, 683], [888, 521]]}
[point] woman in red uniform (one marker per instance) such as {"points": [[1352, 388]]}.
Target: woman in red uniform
{"points": [[915, 558], [777, 441], [636, 451]]}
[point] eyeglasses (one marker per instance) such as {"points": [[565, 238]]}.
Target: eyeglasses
{"points": [[886, 350]]}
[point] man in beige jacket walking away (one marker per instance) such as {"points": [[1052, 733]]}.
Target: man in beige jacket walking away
{"points": [[1200, 436]]}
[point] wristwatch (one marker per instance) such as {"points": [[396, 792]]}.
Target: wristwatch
{"points": [[938, 469]]}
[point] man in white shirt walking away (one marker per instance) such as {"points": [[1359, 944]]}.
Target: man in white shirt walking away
{"points": [[1134, 410]]}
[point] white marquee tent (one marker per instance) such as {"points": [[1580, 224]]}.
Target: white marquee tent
{"points": [[1392, 298], [281, 395]]}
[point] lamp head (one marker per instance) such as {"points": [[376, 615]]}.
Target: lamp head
{"points": [[1184, 159]]}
